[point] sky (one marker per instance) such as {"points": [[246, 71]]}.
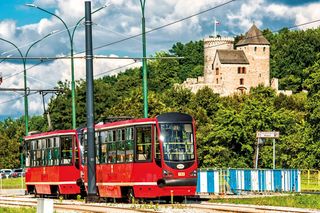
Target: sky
{"points": [[23, 25]]}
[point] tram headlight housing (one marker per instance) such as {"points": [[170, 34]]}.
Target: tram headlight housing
{"points": [[193, 173], [166, 173]]}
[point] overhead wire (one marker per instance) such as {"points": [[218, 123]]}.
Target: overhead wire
{"points": [[117, 68], [163, 26], [17, 98]]}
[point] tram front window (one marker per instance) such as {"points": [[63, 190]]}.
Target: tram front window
{"points": [[178, 141]]}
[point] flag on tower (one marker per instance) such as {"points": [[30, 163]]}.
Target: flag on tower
{"points": [[215, 27]]}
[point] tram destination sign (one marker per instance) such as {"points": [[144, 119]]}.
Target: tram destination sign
{"points": [[272, 134]]}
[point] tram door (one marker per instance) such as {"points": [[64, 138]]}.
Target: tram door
{"points": [[76, 154]]}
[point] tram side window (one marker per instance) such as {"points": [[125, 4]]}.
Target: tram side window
{"points": [[129, 145], [143, 143], [121, 145], [43, 152], [49, 150], [103, 141], [85, 148], [97, 147], [33, 152], [38, 158], [66, 150], [26, 153], [111, 146], [157, 155], [56, 151]]}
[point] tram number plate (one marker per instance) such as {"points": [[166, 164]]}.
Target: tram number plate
{"points": [[181, 174]]}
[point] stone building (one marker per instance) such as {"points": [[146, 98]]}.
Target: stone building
{"points": [[228, 70]]}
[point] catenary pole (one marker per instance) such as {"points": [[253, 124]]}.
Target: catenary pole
{"points": [[144, 62], [91, 158]]}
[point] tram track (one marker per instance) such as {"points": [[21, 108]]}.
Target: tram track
{"points": [[72, 206], [77, 206]]}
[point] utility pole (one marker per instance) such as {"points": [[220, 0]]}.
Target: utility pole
{"points": [[144, 62], [91, 155]]}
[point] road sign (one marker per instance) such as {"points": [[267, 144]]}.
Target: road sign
{"points": [[272, 134]]}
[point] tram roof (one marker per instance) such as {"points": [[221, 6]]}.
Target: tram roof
{"points": [[124, 123], [51, 133]]}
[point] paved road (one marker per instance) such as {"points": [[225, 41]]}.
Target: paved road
{"points": [[10, 192]]}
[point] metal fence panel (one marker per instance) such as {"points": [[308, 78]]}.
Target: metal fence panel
{"points": [[248, 180]]}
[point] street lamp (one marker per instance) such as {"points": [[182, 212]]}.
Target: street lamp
{"points": [[144, 62], [71, 36], [24, 59]]}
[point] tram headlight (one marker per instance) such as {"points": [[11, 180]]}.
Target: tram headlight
{"points": [[166, 173], [193, 173]]}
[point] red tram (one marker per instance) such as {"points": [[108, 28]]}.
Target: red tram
{"points": [[144, 158], [52, 163]]}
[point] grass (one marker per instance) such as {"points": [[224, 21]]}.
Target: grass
{"points": [[296, 200], [310, 182], [17, 210], [12, 183]]}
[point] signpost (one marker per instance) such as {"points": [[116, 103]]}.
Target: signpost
{"points": [[265, 135]]}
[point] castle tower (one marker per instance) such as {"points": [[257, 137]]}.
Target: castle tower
{"points": [[257, 50], [211, 45]]}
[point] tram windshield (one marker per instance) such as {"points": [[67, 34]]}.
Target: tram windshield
{"points": [[178, 141]]}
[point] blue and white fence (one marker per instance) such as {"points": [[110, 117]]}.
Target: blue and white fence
{"points": [[240, 180], [208, 181]]}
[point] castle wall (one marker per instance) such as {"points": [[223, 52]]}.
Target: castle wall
{"points": [[259, 59], [210, 47]]}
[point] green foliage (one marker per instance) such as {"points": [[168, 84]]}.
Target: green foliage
{"points": [[292, 52], [17, 210], [193, 58]]}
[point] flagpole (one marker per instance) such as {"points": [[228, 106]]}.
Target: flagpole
{"points": [[215, 28]]}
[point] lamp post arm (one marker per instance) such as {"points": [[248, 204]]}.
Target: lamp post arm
{"points": [[142, 4], [63, 22], [36, 42], [14, 46]]}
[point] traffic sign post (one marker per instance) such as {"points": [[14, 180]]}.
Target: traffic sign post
{"points": [[265, 135], [272, 134]]}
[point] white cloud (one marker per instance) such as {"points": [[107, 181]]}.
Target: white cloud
{"points": [[258, 11], [7, 29]]}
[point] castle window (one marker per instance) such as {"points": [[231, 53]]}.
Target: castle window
{"points": [[239, 70], [217, 80], [217, 71], [243, 70], [241, 81], [264, 49], [255, 49], [212, 66]]}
